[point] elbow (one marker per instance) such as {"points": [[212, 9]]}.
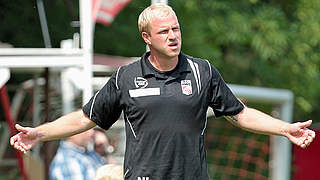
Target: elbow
{"points": [[243, 117]]}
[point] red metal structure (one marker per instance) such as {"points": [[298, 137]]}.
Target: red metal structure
{"points": [[306, 161], [10, 121]]}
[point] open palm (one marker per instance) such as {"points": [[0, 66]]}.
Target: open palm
{"points": [[299, 134], [25, 139]]}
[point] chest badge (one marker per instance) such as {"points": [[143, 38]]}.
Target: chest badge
{"points": [[186, 87], [140, 82]]}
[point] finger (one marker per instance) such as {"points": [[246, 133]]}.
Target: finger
{"points": [[313, 134], [22, 149], [21, 128], [19, 147], [22, 146], [300, 142], [308, 141], [305, 124], [303, 146], [25, 147], [12, 140], [16, 145]]}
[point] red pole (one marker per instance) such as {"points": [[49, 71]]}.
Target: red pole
{"points": [[7, 112]]}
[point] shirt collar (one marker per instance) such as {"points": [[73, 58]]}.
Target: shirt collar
{"points": [[149, 70]]}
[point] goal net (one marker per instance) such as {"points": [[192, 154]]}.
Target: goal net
{"points": [[233, 153], [237, 154]]}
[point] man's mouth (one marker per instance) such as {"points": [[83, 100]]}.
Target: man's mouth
{"points": [[173, 44]]}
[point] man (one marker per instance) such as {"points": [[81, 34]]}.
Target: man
{"points": [[74, 160], [164, 97], [102, 146]]}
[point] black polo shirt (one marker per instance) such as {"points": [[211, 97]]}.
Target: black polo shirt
{"points": [[165, 116]]}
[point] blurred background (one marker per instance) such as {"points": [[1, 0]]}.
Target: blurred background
{"points": [[260, 43]]}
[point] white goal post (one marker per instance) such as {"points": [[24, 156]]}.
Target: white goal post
{"points": [[280, 147], [58, 57], [280, 157]]}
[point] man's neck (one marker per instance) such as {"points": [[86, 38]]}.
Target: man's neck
{"points": [[163, 63]]}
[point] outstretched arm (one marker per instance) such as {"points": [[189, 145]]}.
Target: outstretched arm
{"points": [[256, 121], [65, 126]]}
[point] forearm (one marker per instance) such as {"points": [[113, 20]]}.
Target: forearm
{"points": [[259, 122], [65, 126]]}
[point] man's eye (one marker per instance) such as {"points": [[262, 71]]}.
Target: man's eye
{"points": [[164, 31], [176, 29]]}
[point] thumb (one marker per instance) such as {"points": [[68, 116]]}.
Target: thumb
{"points": [[305, 124], [21, 128]]}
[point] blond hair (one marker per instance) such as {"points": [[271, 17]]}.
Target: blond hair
{"points": [[109, 172], [159, 10]]}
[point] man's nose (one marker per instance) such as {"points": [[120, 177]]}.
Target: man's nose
{"points": [[171, 34]]}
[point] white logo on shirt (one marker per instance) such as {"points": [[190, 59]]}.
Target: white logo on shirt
{"points": [[140, 82], [143, 178], [186, 87]]}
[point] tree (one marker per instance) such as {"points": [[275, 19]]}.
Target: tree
{"points": [[252, 42]]}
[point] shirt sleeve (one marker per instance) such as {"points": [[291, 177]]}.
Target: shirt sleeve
{"points": [[104, 107], [222, 101]]}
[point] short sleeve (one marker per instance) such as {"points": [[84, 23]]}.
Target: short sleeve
{"points": [[222, 101], [104, 107]]}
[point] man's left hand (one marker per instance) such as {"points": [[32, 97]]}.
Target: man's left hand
{"points": [[299, 134]]}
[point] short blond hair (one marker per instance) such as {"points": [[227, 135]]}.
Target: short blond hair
{"points": [[109, 172], [159, 10]]}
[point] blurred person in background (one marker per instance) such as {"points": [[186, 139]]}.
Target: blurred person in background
{"points": [[75, 160], [109, 172], [102, 146]]}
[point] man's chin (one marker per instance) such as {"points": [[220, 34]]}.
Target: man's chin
{"points": [[174, 53], [169, 54]]}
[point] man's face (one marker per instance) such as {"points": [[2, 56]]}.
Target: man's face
{"points": [[165, 36], [100, 143], [82, 139]]}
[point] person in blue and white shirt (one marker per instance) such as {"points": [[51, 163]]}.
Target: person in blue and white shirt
{"points": [[74, 160]]}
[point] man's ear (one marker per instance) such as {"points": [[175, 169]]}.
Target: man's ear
{"points": [[146, 37]]}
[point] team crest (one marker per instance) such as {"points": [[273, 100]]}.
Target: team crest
{"points": [[186, 87]]}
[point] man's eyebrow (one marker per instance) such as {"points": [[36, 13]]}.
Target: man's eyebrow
{"points": [[166, 28], [163, 29]]}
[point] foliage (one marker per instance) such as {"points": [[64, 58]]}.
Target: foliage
{"points": [[252, 42], [262, 43]]}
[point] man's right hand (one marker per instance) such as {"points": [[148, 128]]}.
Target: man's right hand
{"points": [[25, 139]]}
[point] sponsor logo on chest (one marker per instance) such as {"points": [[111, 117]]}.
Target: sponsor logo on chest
{"points": [[186, 87], [141, 90], [140, 82]]}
